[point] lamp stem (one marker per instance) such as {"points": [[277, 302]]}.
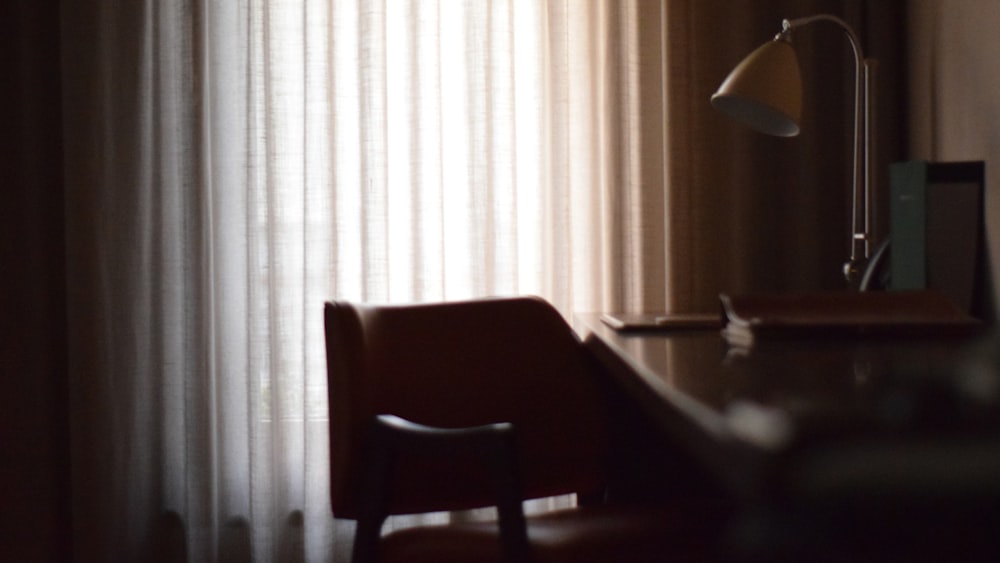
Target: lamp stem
{"points": [[871, 68], [863, 131]]}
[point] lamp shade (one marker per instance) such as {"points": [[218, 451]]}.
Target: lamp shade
{"points": [[765, 90]]}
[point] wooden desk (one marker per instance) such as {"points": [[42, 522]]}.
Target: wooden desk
{"points": [[734, 411]]}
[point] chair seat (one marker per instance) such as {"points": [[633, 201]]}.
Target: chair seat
{"points": [[591, 534]]}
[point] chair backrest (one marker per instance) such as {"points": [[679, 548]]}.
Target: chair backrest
{"points": [[458, 364]]}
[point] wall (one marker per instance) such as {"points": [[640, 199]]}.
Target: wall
{"points": [[954, 93]]}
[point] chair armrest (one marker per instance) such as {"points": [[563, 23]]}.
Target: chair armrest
{"points": [[391, 436]]}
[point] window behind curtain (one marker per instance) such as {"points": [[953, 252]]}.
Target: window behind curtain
{"points": [[233, 164]]}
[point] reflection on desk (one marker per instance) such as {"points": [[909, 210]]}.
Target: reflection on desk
{"points": [[727, 404]]}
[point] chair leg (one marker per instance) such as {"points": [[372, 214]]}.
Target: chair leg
{"points": [[510, 511], [366, 538], [374, 494]]}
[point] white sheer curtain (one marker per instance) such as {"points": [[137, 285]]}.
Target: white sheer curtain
{"points": [[234, 163]]}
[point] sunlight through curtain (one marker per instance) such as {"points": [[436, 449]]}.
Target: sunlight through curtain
{"points": [[234, 163]]}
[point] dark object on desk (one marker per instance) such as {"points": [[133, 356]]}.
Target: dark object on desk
{"points": [[918, 479], [662, 321], [879, 498], [937, 232], [877, 271], [843, 314], [460, 405]]}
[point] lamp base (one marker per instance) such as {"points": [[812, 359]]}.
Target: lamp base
{"points": [[853, 271]]}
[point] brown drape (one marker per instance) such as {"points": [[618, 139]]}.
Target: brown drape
{"points": [[34, 463], [750, 212]]}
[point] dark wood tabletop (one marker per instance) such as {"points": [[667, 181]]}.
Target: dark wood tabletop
{"points": [[734, 407]]}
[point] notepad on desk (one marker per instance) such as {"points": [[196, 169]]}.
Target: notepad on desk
{"points": [[662, 321], [843, 313]]}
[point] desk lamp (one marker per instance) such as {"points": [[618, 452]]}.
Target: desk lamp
{"points": [[765, 92]]}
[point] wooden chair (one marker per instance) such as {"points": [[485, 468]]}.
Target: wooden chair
{"points": [[451, 406]]}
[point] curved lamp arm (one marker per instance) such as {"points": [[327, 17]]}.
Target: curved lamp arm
{"points": [[765, 91], [864, 70]]}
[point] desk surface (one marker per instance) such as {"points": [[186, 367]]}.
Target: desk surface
{"points": [[734, 407]]}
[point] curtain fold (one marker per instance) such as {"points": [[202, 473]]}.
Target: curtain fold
{"points": [[232, 164]]}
